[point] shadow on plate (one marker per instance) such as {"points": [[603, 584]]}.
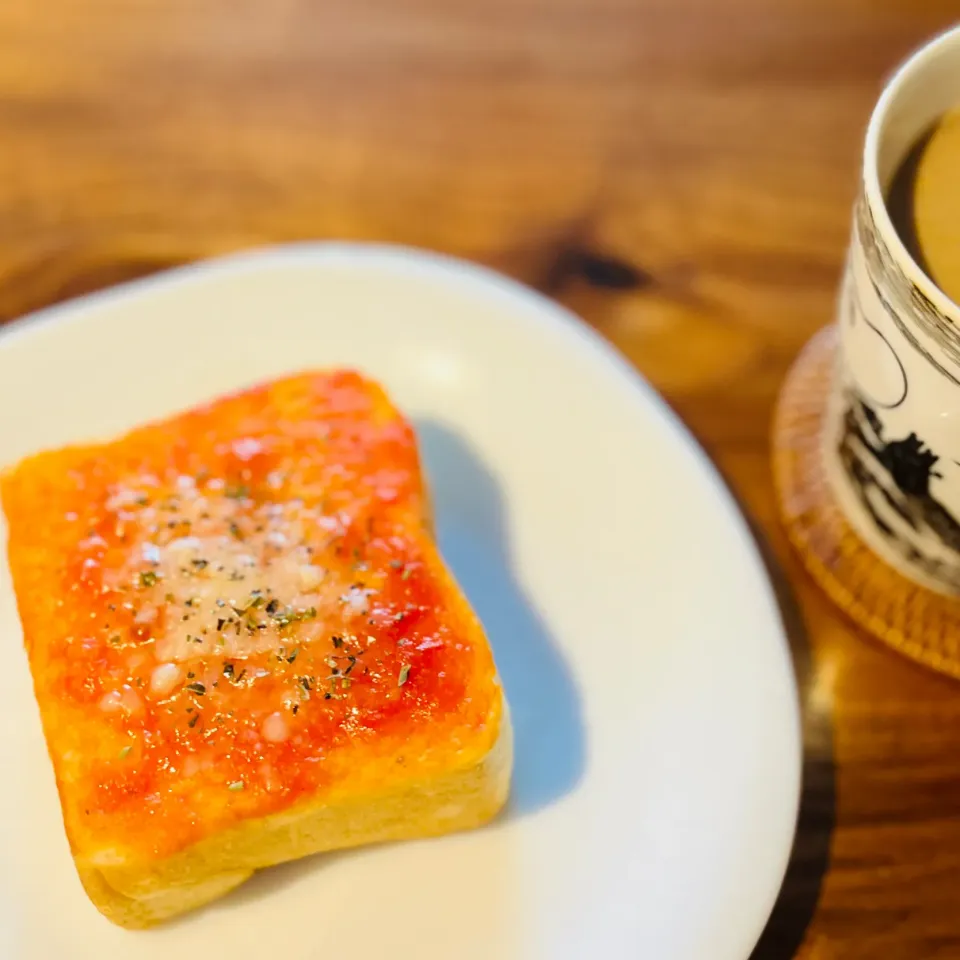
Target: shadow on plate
{"points": [[274, 880], [473, 530], [810, 857]]}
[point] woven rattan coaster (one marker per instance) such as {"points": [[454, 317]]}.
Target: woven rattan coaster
{"points": [[917, 622]]}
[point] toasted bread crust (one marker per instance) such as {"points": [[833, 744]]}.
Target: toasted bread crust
{"points": [[446, 803]]}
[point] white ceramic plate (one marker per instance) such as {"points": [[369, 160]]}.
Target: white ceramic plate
{"points": [[658, 746]]}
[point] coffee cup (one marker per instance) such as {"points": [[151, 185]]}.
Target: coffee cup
{"points": [[892, 437]]}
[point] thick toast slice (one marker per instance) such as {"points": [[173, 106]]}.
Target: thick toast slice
{"points": [[245, 646]]}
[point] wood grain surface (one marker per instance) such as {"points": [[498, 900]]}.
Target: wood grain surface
{"points": [[680, 172]]}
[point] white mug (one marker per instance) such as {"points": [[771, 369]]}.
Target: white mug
{"points": [[892, 437]]}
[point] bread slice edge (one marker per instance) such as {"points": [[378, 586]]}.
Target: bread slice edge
{"points": [[449, 802]]}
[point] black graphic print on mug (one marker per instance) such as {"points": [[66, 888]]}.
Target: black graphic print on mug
{"points": [[892, 479]]}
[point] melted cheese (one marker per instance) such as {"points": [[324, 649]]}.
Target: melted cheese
{"points": [[245, 579]]}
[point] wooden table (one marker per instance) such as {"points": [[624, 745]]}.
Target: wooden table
{"points": [[679, 171]]}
